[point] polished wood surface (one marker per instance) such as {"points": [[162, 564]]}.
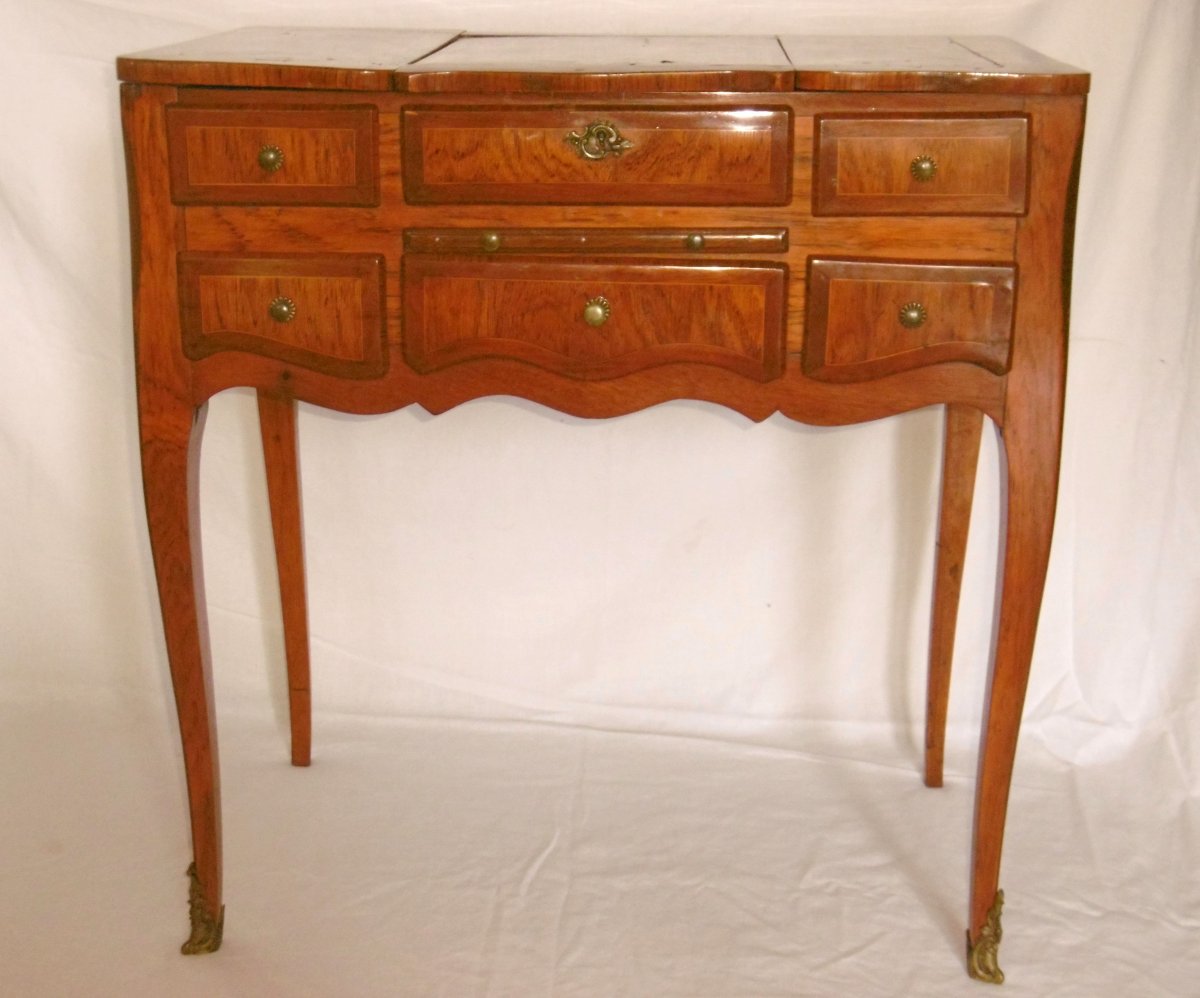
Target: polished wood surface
{"points": [[855, 331], [325, 156], [170, 425], [1031, 434], [720, 315], [337, 325], [865, 166], [471, 268], [701, 156]]}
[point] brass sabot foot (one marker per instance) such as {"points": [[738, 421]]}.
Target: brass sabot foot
{"points": [[206, 930], [982, 957]]}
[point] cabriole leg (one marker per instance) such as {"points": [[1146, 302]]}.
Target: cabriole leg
{"points": [[1031, 462], [170, 439]]}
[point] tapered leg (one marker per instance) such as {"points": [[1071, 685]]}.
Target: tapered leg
{"points": [[1031, 453], [960, 456], [170, 440], [277, 421]]}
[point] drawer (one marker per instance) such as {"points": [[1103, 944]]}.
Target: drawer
{"points": [[870, 165], [314, 156], [598, 155], [594, 319], [867, 319], [320, 312]]}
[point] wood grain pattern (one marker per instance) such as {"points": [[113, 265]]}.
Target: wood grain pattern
{"points": [[329, 156], [508, 155], [338, 325], [170, 425], [1031, 432], [863, 165], [721, 314], [854, 330]]}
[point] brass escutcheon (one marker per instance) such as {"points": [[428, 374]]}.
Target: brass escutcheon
{"points": [[598, 140]]}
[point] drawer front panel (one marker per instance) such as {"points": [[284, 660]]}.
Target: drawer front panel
{"points": [[920, 166], [870, 319], [320, 312], [597, 319], [316, 156], [565, 156]]}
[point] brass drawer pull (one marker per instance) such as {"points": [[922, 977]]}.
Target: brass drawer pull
{"points": [[270, 158], [923, 168], [490, 241], [598, 140], [282, 309], [695, 241], [595, 312], [912, 314]]}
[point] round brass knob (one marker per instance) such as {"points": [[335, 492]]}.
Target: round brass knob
{"points": [[270, 158], [923, 168], [490, 241], [595, 312], [695, 241], [282, 309], [912, 314]]}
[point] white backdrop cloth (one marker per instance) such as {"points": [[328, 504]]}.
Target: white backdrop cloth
{"points": [[629, 707]]}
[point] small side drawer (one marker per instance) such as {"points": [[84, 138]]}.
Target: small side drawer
{"points": [[313, 156], [867, 319], [920, 166], [598, 155], [595, 319], [320, 312]]}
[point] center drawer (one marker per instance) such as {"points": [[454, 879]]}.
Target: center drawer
{"points": [[595, 319], [598, 155]]}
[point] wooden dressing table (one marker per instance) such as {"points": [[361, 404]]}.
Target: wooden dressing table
{"points": [[837, 229]]}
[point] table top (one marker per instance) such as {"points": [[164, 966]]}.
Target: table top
{"points": [[461, 62]]}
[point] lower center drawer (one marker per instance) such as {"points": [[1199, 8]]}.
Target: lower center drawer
{"points": [[595, 319]]}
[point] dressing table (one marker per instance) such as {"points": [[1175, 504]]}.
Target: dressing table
{"points": [[836, 229]]}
